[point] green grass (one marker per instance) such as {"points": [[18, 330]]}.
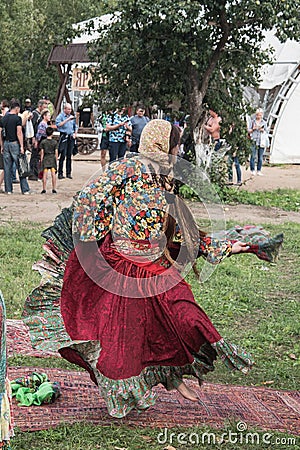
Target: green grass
{"points": [[20, 247], [286, 199], [250, 302], [257, 304], [88, 437]]}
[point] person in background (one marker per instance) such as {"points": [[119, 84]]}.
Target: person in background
{"points": [[4, 111], [128, 140], [232, 158], [35, 158], [49, 157], [84, 115], [4, 108], [49, 105], [12, 145], [258, 132], [136, 126], [67, 128], [103, 136], [28, 105], [36, 114], [41, 131], [213, 128], [116, 125], [28, 129]]}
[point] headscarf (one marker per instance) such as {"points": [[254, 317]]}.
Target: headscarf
{"points": [[155, 145], [155, 137]]}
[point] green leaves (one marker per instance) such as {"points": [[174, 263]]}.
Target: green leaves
{"points": [[188, 51], [29, 29]]}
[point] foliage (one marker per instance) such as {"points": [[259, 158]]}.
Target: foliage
{"points": [[193, 51], [29, 29]]}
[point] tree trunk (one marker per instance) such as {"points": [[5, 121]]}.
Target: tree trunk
{"points": [[195, 100]]}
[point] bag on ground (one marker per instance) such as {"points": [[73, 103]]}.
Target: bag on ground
{"points": [[24, 167]]}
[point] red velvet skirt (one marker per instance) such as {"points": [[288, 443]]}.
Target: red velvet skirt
{"points": [[162, 328]]}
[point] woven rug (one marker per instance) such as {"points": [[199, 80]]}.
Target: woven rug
{"points": [[266, 409], [19, 343]]}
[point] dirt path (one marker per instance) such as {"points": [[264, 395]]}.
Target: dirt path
{"points": [[43, 208]]}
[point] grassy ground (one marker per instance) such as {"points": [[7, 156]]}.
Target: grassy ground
{"points": [[249, 301], [89, 437], [286, 199]]}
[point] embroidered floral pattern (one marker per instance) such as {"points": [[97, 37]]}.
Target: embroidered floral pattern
{"points": [[125, 200]]}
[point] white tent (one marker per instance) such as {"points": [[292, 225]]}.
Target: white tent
{"points": [[283, 79]]}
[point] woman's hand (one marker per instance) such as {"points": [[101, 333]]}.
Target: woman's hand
{"points": [[239, 247]]}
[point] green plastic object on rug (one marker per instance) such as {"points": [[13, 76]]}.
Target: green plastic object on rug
{"points": [[35, 389]]}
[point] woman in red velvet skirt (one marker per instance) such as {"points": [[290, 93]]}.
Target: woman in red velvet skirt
{"points": [[113, 298]]}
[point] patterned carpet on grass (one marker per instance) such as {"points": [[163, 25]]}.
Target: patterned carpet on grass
{"points": [[264, 408], [19, 343]]}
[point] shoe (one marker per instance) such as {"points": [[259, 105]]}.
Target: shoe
{"points": [[260, 173], [69, 176], [60, 177], [32, 178], [27, 193], [43, 191], [9, 193], [15, 182], [239, 183], [54, 191], [253, 172]]}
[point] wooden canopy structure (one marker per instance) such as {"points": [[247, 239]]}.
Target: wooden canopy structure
{"points": [[64, 56]]}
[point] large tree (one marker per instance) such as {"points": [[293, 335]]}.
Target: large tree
{"points": [[28, 30], [194, 51]]}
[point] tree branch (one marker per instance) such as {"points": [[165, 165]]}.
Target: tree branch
{"points": [[225, 29]]}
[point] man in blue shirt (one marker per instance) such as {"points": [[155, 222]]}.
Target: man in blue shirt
{"points": [[116, 124], [136, 126], [66, 125]]}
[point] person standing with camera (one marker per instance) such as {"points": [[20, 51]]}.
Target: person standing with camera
{"points": [[67, 127], [116, 125]]}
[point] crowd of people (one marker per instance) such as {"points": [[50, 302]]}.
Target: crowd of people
{"points": [[23, 132]]}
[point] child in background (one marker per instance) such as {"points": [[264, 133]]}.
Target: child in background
{"points": [[49, 157]]}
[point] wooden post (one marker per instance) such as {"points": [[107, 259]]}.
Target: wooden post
{"points": [[63, 73]]}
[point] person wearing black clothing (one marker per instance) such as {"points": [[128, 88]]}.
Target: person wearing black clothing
{"points": [[84, 116], [11, 143]]}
